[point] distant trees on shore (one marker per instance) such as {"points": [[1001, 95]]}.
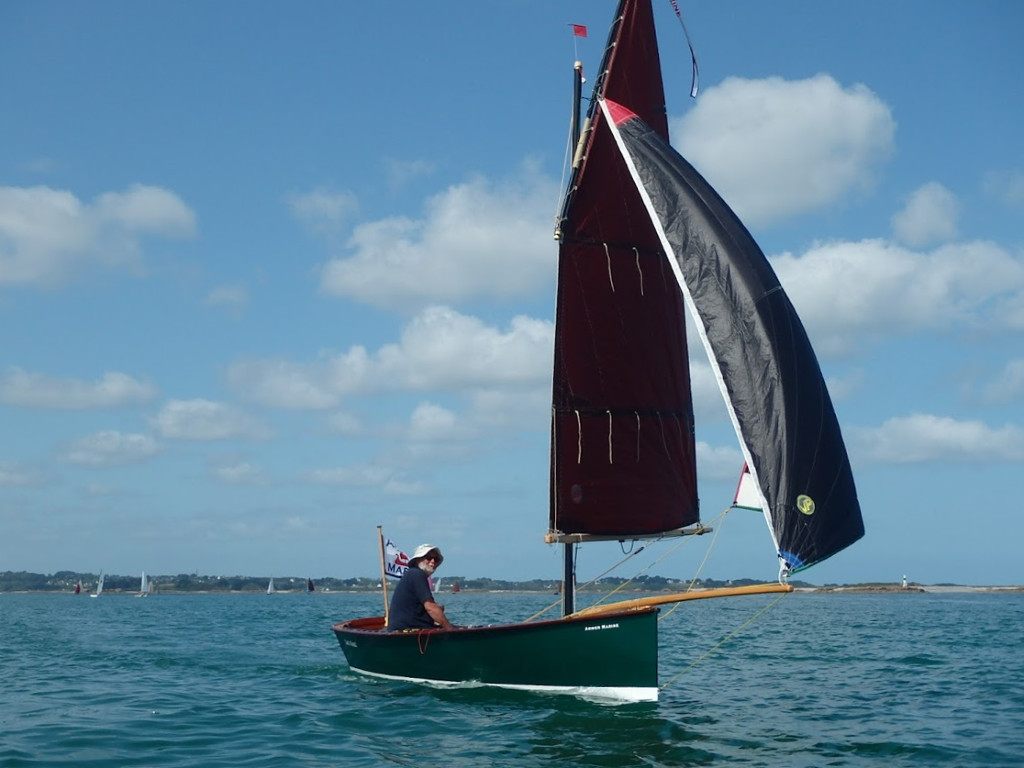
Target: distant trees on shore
{"points": [[65, 581]]}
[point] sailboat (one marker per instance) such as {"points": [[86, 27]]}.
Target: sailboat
{"points": [[144, 588], [309, 586], [270, 586], [78, 588], [99, 586], [644, 240]]}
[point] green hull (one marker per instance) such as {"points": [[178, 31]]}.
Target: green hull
{"points": [[613, 655]]}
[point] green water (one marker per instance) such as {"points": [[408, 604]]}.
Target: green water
{"points": [[259, 680]]}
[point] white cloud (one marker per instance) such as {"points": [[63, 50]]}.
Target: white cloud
{"points": [[708, 403], [345, 423], [402, 172], [111, 448], [234, 298], [430, 422], [843, 387], [521, 408], [476, 239], [15, 474], [382, 478], [930, 216], [317, 385], [323, 211], [719, 463], [36, 390], [40, 165], [239, 473], [439, 349], [1007, 187], [146, 210], [205, 420], [775, 148], [1008, 386], [846, 291], [47, 235], [922, 438]]}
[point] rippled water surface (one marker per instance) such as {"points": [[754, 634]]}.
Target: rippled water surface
{"points": [[259, 680]]}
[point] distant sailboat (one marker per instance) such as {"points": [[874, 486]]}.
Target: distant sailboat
{"points": [[309, 586], [270, 586], [78, 588], [99, 587], [144, 588]]}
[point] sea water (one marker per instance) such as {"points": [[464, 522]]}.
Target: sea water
{"points": [[259, 680]]}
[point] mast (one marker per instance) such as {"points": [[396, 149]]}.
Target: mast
{"points": [[568, 563], [568, 581], [577, 94], [383, 573]]}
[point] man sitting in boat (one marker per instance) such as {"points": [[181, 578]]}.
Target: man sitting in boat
{"points": [[413, 605]]}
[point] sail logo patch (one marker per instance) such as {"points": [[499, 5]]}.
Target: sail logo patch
{"points": [[805, 504]]}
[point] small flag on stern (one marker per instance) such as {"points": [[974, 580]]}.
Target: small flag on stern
{"points": [[395, 560], [579, 30]]}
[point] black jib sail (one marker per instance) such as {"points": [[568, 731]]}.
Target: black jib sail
{"points": [[759, 349]]}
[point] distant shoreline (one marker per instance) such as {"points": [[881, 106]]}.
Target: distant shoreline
{"points": [[910, 588], [859, 589]]}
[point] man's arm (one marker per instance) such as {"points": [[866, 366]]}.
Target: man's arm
{"points": [[437, 614]]}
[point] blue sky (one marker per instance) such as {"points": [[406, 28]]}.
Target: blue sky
{"points": [[273, 274]]}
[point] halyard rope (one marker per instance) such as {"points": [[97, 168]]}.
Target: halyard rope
{"points": [[719, 521]]}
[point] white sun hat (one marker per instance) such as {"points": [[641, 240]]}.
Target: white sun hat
{"points": [[422, 551]]}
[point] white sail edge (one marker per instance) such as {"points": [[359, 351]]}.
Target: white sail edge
{"points": [[762, 502]]}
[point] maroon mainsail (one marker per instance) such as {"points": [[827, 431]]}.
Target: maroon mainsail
{"points": [[622, 459]]}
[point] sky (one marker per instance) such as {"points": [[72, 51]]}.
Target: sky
{"points": [[274, 274]]}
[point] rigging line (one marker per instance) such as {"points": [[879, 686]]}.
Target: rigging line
{"points": [[542, 611], [695, 75], [579, 439], [608, 259], [609, 570], [566, 161], [718, 529], [723, 641], [641, 572]]}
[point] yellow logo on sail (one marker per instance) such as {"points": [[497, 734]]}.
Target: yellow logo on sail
{"points": [[805, 504]]}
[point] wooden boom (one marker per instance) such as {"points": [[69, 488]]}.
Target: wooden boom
{"points": [[679, 597]]}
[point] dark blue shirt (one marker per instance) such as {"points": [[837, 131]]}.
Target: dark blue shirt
{"points": [[407, 611]]}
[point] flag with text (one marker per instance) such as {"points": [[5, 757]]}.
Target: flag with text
{"points": [[396, 562]]}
